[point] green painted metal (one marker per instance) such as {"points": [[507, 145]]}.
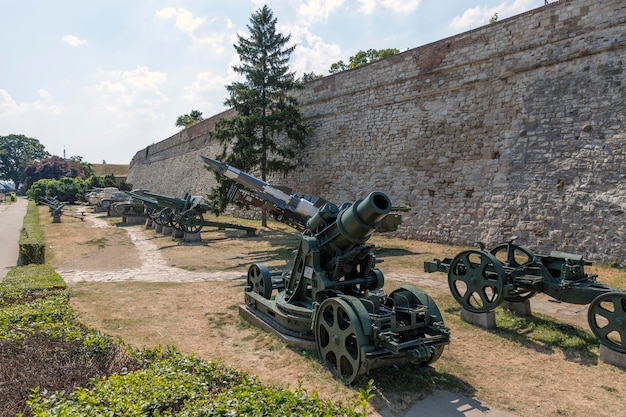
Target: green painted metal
{"points": [[481, 280], [185, 214], [332, 292]]}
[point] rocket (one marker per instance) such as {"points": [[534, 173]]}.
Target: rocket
{"points": [[291, 202]]}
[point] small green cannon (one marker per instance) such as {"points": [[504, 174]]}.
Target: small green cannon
{"points": [[331, 295], [184, 214], [480, 280]]}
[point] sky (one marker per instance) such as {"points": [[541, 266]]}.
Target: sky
{"points": [[103, 79]]}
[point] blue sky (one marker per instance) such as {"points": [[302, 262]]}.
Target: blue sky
{"points": [[104, 79]]}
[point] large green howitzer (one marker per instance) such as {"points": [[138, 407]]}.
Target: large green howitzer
{"points": [[331, 294], [480, 280]]}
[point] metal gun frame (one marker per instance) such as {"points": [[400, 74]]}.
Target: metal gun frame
{"points": [[331, 294], [481, 280]]}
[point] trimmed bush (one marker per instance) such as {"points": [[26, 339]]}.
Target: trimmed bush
{"points": [[32, 246]]}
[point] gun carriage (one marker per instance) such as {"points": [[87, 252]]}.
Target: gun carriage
{"points": [[480, 280], [332, 294], [185, 214]]}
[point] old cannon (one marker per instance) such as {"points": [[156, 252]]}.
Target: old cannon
{"points": [[150, 206], [332, 294], [480, 280], [184, 214]]}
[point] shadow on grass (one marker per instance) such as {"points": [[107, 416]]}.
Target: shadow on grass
{"points": [[263, 257], [382, 252], [544, 335], [409, 382]]}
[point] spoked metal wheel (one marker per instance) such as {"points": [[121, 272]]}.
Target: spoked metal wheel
{"points": [[163, 217], [607, 320], [156, 217], [513, 255], [191, 221], [339, 338], [477, 281], [260, 280]]}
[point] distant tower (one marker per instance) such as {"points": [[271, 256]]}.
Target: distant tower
{"points": [[64, 154]]}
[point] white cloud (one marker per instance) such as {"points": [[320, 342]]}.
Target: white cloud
{"points": [[212, 33], [129, 94], [369, 7], [318, 10], [312, 53], [7, 104], [478, 16], [73, 40], [44, 94], [46, 104], [184, 19]]}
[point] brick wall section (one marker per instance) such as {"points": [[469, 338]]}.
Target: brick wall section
{"points": [[514, 128]]}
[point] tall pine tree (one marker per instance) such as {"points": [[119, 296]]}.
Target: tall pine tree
{"points": [[267, 130]]}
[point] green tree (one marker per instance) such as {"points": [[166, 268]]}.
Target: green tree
{"points": [[16, 153], [187, 120], [86, 166], [362, 58], [267, 129], [310, 76]]}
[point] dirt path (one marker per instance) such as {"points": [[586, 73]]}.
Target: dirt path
{"points": [[153, 267]]}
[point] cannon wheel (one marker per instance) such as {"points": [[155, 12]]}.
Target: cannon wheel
{"points": [[156, 217], [339, 337], [260, 280], [516, 258], [191, 221], [477, 280], [607, 320]]}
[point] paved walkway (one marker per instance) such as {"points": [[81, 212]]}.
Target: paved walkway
{"points": [[11, 220]]}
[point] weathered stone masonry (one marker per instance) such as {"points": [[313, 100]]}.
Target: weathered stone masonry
{"points": [[514, 128]]}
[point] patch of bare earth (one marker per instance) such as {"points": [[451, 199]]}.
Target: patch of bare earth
{"points": [[525, 378]]}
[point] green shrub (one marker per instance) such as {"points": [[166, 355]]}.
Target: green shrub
{"points": [[64, 189], [170, 383], [32, 247], [27, 281], [42, 342]]}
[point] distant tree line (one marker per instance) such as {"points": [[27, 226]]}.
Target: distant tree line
{"points": [[32, 169]]}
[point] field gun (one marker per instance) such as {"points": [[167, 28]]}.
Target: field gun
{"points": [[331, 294], [481, 279], [185, 214]]}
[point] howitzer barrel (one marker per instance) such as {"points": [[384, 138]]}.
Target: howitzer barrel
{"points": [[355, 224]]}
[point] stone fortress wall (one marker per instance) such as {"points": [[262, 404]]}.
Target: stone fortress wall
{"points": [[514, 128]]}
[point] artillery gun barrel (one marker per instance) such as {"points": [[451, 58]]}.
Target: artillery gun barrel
{"points": [[357, 223], [278, 197]]}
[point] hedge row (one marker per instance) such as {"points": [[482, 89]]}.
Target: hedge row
{"points": [[32, 246]]}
